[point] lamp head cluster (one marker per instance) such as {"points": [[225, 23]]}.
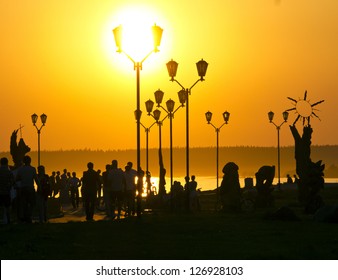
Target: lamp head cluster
{"points": [[149, 108], [170, 104], [43, 119], [272, 114], [226, 116], [201, 65], [156, 32]]}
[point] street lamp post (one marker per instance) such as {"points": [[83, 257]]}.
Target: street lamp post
{"points": [[147, 130], [43, 119], [157, 35], [170, 112], [226, 116], [201, 69], [156, 115], [278, 127]]}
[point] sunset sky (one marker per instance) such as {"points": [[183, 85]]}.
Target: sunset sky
{"points": [[58, 57]]}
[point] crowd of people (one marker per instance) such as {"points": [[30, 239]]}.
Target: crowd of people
{"points": [[26, 189], [185, 197]]}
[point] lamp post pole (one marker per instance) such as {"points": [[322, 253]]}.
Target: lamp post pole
{"points": [[226, 116], [278, 127], [170, 112], [156, 115], [201, 69], [43, 119], [157, 35], [147, 130]]}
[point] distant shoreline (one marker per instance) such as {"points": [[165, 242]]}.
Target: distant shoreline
{"points": [[202, 159]]}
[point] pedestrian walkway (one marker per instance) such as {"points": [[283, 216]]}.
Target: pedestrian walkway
{"points": [[78, 215]]}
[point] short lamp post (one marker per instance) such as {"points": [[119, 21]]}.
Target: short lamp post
{"points": [[170, 112], [202, 67], [278, 127], [226, 116], [43, 119], [156, 114], [147, 130], [157, 36]]}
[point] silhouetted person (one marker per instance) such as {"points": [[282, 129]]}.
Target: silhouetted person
{"points": [[264, 179], [43, 192], [99, 188], [230, 188], [74, 184], [177, 196], [64, 192], [106, 190], [90, 180], [52, 183], [6, 184], [117, 187], [187, 192], [130, 193], [148, 182], [161, 182], [58, 183], [193, 195], [289, 179], [26, 193]]}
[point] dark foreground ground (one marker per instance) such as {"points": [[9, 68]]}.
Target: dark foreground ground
{"points": [[164, 235]]}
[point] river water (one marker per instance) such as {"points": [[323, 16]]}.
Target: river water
{"points": [[207, 183]]}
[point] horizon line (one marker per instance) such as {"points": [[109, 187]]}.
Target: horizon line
{"points": [[167, 148]]}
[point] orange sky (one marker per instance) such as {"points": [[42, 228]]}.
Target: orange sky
{"points": [[58, 58]]}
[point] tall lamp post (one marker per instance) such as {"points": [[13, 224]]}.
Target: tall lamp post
{"points": [[278, 127], [226, 116], [43, 119], [170, 110], [157, 35], [201, 69]]}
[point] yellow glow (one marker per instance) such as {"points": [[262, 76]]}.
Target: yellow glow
{"points": [[59, 58], [137, 40]]}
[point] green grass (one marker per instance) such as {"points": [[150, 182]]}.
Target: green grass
{"points": [[163, 235]]}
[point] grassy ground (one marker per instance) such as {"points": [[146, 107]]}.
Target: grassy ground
{"points": [[163, 235]]}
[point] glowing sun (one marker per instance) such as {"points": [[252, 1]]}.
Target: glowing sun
{"points": [[136, 31]]}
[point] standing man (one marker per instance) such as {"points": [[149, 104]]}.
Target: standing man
{"points": [[90, 181], [117, 185], [26, 193], [130, 193], [107, 191], [6, 183], [74, 184]]}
